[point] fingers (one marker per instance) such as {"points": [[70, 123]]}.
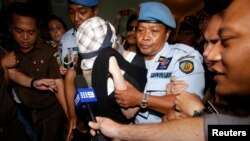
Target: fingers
{"points": [[175, 81], [121, 103], [178, 89], [176, 108], [52, 85], [99, 119], [9, 60], [70, 135], [16, 58], [46, 84], [94, 125], [173, 115], [92, 132], [118, 96], [119, 99], [172, 79]]}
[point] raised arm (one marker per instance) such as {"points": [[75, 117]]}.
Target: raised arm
{"points": [[120, 84], [9, 62]]}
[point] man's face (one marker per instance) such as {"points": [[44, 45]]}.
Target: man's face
{"points": [[151, 38], [79, 14], [233, 72], [24, 31], [213, 44]]}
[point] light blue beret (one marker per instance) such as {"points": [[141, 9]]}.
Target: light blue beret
{"points": [[156, 11], [88, 3]]}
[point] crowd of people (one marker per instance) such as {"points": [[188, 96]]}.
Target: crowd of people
{"points": [[147, 88]]}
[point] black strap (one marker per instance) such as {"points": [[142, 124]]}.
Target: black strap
{"points": [[106, 43], [107, 40]]}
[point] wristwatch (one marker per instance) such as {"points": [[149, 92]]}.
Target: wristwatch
{"points": [[144, 101], [198, 113]]}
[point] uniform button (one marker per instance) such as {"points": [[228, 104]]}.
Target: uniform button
{"points": [[37, 69]]}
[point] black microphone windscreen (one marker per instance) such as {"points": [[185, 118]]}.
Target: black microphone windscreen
{"points": [[80, 82]]}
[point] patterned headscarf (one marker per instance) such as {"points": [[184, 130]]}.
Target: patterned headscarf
{"points": [[90, 36]]}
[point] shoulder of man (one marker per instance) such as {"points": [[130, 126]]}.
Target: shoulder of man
{"points": [[51, 51], [185, 52], [45, 46], [185, 49], [68, 35], [68, 39], [189, 59]]}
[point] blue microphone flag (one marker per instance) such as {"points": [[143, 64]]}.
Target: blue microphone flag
{"points": [[84, 96]]}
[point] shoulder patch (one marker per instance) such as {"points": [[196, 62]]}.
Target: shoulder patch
{"points": [[186, 66], [163, 63]]}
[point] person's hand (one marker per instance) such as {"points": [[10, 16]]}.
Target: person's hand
{"points": [[188, 103], [173, 115], [176, 86], [45, 84], [71, 127], [128, 98], [107, 126], [9, 60], [63, 70]]}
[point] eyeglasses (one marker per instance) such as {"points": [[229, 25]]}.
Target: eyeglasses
{"points": [[131, 28]]}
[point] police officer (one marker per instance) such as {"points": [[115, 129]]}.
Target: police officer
{"points": [[79, 11], [163, 61], [68, 44]]}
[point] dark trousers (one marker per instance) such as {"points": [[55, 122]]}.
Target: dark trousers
{"points": [[48, 123], [25, 118], [13, 131]]}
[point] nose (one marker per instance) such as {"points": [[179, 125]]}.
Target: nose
{"points": [[25, 35], [74, 17], [146, 35], [213, 53]]}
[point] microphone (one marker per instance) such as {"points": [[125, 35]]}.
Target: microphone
{"points": [[84, 97]]}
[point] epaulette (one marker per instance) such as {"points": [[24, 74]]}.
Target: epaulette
{"points": [[185, 48], [52, 43]]}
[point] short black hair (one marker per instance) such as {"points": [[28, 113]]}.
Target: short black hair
{"points": [[215, 6], [23, 9]]}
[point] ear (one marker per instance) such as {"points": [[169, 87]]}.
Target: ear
{"points": [[168, 31], [96, 11]]}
